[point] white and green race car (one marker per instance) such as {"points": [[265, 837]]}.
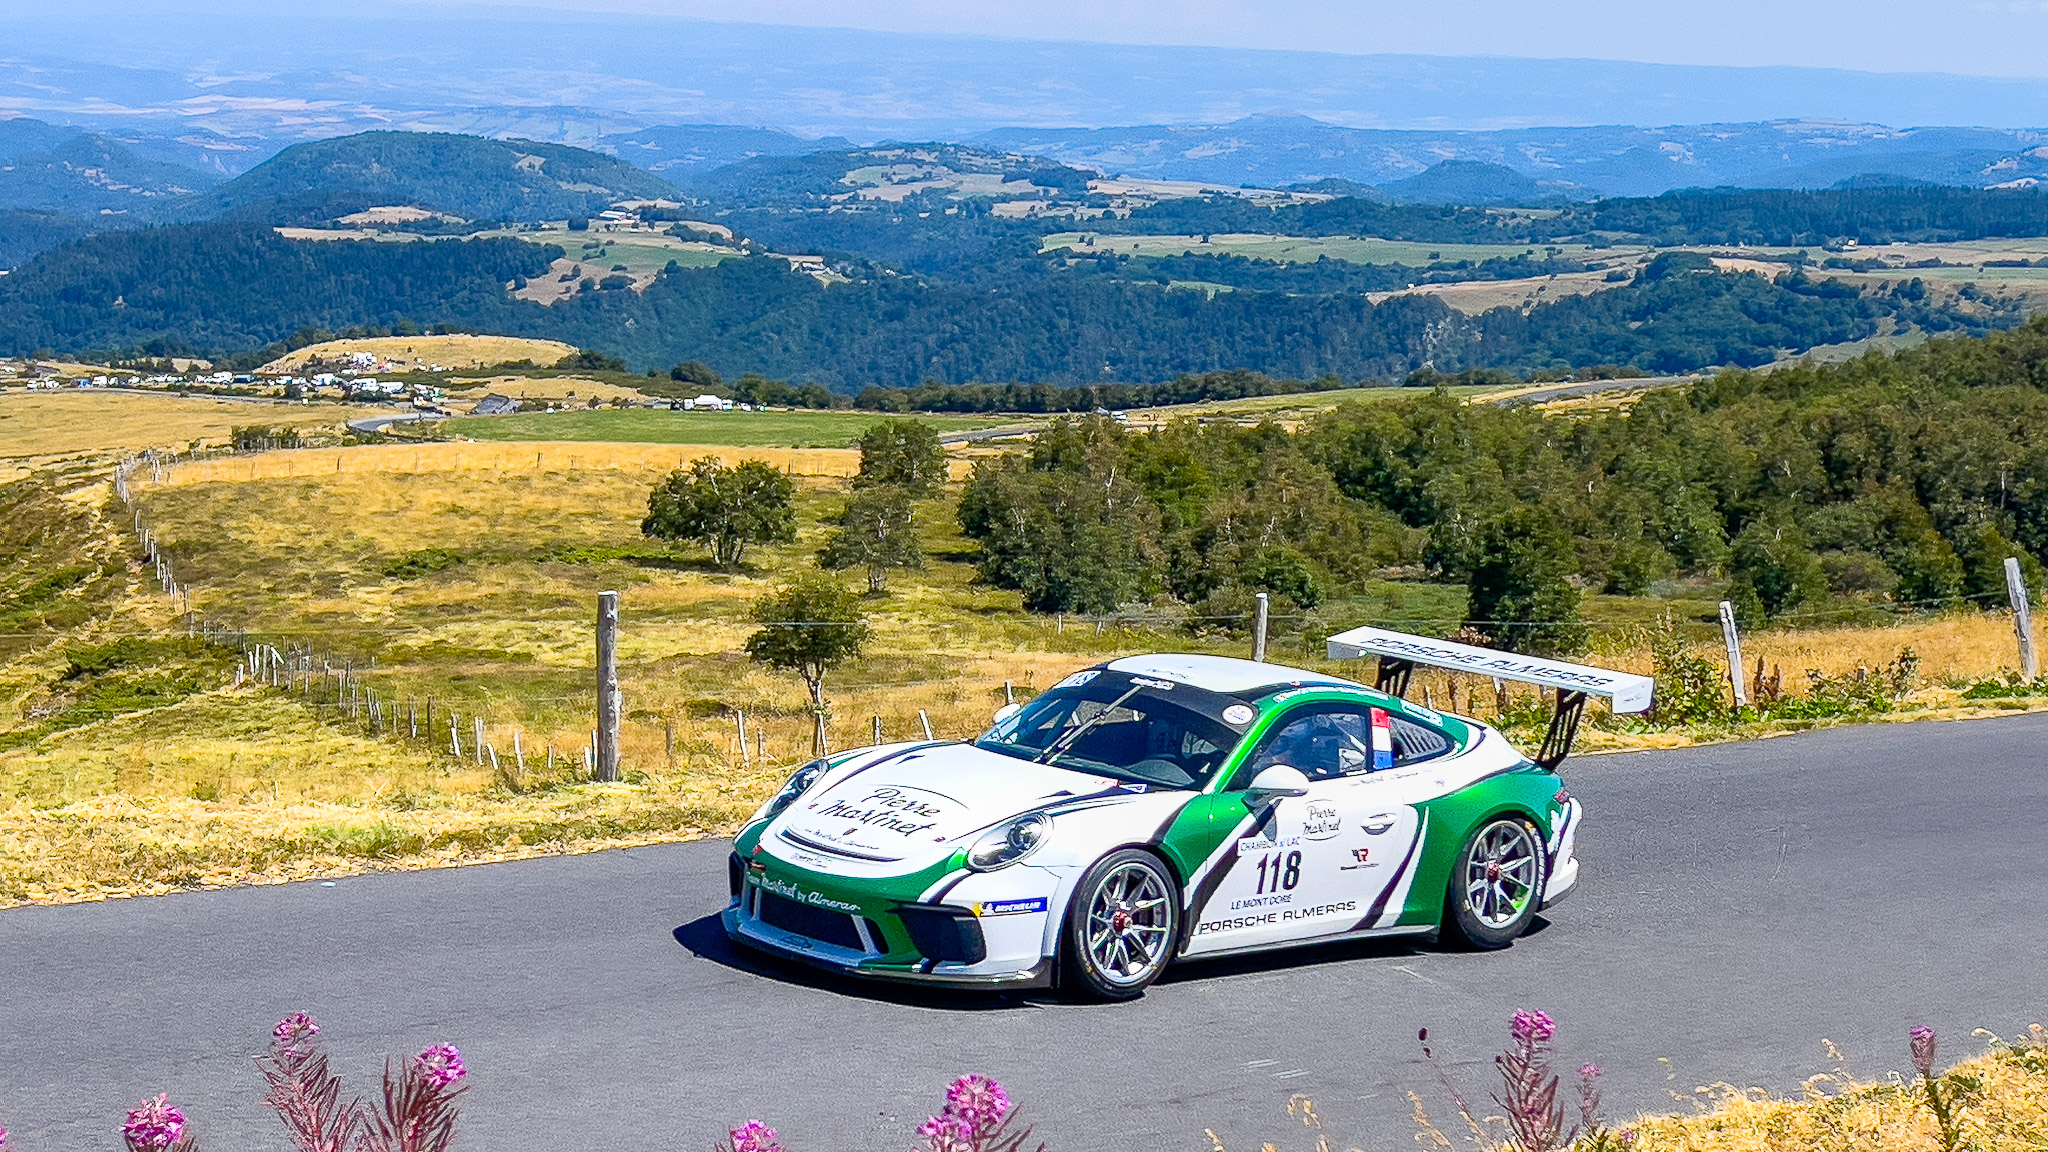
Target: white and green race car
{"points": [[1160, 807]]}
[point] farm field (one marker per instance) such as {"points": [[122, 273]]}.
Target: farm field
{"points": [[460, 578], [663, 426], [1308, 249], [451, 351], [46, 425]]}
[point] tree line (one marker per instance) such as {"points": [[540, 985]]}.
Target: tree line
{"points": [[1901, 481]]}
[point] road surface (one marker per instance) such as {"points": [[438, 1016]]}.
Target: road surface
{"points": [[1740, 904]]}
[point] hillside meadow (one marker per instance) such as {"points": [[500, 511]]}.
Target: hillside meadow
{"points": [[458, 581]]}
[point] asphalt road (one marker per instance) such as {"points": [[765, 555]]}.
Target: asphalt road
{"points": [[1740, 904]]}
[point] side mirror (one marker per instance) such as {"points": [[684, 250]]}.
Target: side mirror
{"points": [[1275, 783], [1005, 712]]}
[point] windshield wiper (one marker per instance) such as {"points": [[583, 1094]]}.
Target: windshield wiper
{"points": [[1065, 742]]}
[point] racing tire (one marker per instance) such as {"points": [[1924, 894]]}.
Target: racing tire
{"points": [[1122, 925], [1496, 885]]}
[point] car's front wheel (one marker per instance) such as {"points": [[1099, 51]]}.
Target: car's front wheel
{"points": [[1122, 924], [1497, 884]]}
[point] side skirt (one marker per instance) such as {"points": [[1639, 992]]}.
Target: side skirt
{"points": [[1333, 938]]}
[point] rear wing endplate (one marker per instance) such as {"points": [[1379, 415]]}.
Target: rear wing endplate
{"points": [[1399, 653]]}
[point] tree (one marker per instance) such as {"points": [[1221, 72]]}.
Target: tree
{"points": [[905, 453], [1521, 594], [1067, 542], [586, 360], [696, 372], [878, 532], [725, 508], [1774, 572], [809, 626]]}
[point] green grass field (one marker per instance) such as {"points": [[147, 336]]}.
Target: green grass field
{"points": [[640, 253], [660, 426], [1308, 249]]}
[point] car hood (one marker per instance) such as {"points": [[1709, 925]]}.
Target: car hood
{"points": [[912, 803]]}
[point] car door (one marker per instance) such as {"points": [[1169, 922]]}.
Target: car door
{"points": [[1320, 864]]}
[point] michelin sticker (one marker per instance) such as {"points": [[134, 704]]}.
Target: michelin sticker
{"points": [[1009, 907]]}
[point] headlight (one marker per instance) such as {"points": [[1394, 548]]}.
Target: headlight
{"points": [[798, 784], [1009, 842]]}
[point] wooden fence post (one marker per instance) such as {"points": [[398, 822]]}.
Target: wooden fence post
{"points": [[2022, 616], [1734, 643], [1261, 605], [739, 723], [878, 731], [607, 751]]}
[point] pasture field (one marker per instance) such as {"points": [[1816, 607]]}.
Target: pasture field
{"points": [[1308, 249], [662, 426], [48, 425], [451, 351], [643, 253]]}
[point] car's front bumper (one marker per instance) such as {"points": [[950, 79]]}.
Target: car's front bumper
{"points": [[754, 933]]}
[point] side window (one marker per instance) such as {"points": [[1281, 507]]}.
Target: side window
{"points": [[1323, 744], [1414, 743]]}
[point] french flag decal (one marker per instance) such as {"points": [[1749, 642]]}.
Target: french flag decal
{"points": [[1382, 740]]}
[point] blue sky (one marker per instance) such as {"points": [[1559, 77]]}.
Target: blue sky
{"points": [[1970, 37]]}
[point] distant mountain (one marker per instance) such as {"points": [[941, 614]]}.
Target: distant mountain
{"points": [[465, 176], [1280, 151], [51, 168], [681, 150], [1477, 182]]}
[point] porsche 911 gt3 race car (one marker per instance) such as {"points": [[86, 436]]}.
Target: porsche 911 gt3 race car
{"points": [[1159, 807]]}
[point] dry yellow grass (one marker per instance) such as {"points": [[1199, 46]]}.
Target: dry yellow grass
{"points": [[451, 351], [2007, 1112], [545, 388], [635, 463], [51, 425]]}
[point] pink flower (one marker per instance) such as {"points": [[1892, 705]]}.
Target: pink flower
{"points": [[293, 1029], [1532, 1028], [3, 1137], [947, 1133], [442, 1064], [754, 1136], [1923, 1049], [155, 1125], [978, 1100]]}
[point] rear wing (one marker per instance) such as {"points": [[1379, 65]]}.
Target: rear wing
{"points": [[1399, 653]]}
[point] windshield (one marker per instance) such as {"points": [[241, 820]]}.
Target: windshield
{"points": [[1122, 726]]}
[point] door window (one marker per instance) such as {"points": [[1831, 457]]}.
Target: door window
{"points": [[1323, 744]]}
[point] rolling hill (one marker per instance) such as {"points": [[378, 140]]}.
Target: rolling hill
{"points": [[1477, 182], [466, 176], [55, 169], [681, 151]]}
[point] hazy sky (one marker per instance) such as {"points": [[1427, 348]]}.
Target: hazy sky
{"points": [[1972, 37]]}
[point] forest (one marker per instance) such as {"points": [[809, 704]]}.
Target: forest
{"points": [[1893, 482], [239, 289]]}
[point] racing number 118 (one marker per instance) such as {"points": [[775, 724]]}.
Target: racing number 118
{"points": [[1280, 872]]}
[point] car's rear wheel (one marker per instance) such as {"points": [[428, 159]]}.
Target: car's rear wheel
{"points": [[1497, 884], [1122, 924]]}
